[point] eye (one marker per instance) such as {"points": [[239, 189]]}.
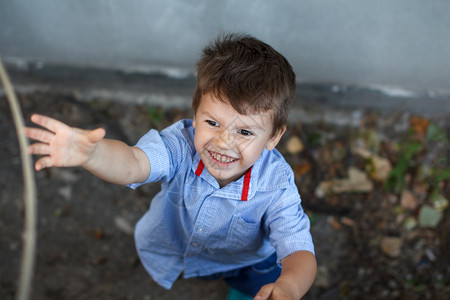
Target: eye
{"points": [[212, 123], [245, 132]]}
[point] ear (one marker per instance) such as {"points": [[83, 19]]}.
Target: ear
{"points": [[193, 121], [273, 142]]}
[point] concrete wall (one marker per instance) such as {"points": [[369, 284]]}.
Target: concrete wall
{"points": [[401, 43]]}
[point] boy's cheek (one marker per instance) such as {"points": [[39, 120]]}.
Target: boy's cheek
{"points": [[245, 146]]}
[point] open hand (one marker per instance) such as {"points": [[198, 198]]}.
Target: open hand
{"points": [[61, 145]]}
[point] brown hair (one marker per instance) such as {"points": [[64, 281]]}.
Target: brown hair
{"points": [[248, 73]]}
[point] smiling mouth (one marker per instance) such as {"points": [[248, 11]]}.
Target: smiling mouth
{"points": [[222, 158]]}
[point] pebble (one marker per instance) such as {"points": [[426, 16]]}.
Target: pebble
{"points": [[391, 246], [294, 145], [429, 216], [408, 200], [123, 225]]}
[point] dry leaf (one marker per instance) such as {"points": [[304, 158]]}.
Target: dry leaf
{"points": [[294, 145], [419, 125], [334, 223], [377, 167], [302, 169], [357, 182]]}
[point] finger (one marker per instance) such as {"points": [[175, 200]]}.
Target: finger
{"points": [[39, 149], [39, 134], [46, 122], [96, 135], [44, 162]]}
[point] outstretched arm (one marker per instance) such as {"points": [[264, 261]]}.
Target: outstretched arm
{"points": [[297, 275], [63, 146]]}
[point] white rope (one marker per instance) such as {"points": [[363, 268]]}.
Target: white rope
{"points": [[29, 235]]}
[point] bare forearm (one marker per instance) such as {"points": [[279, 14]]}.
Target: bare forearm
{"points": [[298, 273], [118, 163]]}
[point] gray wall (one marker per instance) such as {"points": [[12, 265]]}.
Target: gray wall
{"points": [[401, 43]]}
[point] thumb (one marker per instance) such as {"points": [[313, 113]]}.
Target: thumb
{"points": [[264, 293], [96, 135]]}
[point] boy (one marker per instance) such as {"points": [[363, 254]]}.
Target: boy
{"points": [[228, 205]]}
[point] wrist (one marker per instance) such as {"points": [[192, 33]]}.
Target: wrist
{"points": [[290, 287], [92, 158]]}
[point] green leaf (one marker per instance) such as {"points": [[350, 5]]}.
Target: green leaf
{"points": [[396, 178], [434, 133]]}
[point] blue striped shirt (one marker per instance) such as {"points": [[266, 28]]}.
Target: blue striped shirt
{"points": [[195, 227]]}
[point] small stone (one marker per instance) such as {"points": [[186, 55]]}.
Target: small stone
{"points": [[322, 277], [391, 246], [408, 200], [359, 180], [123, 225], [429, 216], [440, 203], [67, 175], [410, 223], [65, 192]]}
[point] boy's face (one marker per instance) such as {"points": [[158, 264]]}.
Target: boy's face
{"points": [[230, 143]]}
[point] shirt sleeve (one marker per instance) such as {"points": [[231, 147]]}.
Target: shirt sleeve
{"points": [[164, 151], [153, 146], [288, 224]]}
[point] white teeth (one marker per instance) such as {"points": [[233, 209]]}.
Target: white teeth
{"points": [[222, 158]]}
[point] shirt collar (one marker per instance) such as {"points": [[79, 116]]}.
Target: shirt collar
{"points": [[242, 189], [256, 179]]}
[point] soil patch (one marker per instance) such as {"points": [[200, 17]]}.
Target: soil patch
{"points": [[387, 241]]}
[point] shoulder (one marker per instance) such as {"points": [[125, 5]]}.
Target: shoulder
{"points": [[178, 128], [273, 172], [179, 135]]}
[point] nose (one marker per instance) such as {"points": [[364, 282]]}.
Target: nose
{"points": [[226, 139]]}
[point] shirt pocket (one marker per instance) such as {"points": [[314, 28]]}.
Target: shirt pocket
{"points": [[244, 235]]}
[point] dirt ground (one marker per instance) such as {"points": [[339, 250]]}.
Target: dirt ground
{"points": [[371, 244]]}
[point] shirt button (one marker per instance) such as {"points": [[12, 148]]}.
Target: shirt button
{"points": [[195, 244], [200, 230]]}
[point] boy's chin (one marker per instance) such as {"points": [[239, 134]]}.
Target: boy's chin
{"points": [[221, 176], [224, 178]]}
